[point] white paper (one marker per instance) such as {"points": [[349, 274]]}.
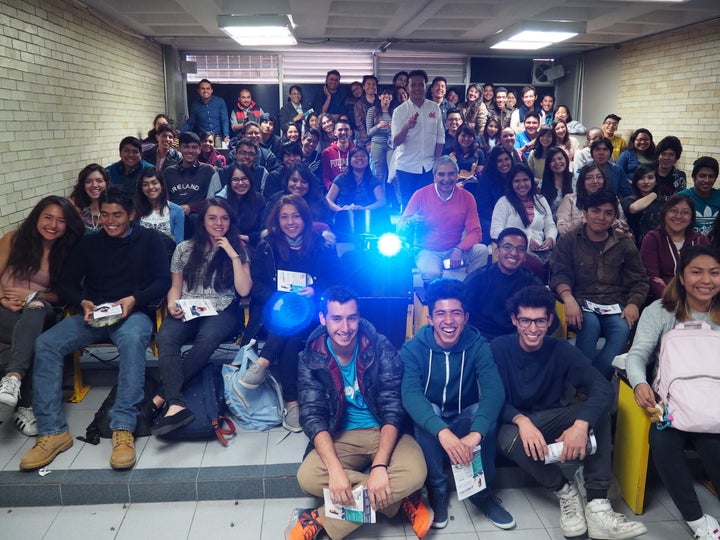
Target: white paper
{"points": [[601, 309], [192, 309], [106, 310], [360, 512], [291, 281], [470, 478], [555, 449]]}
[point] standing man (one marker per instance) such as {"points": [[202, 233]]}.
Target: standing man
{"points": [[246, 109], [368, 99], [331, 98], [609, 126], [418, 135], [209, 113], [536, 370], [350, 408], [438, 89], [335, 157], [125, 265], [452, 391], [500, 109], [488, 287], [528, 104], [446, 226]]}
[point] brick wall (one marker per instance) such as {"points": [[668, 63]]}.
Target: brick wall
{"points": [[670, 84], [71, 86]]}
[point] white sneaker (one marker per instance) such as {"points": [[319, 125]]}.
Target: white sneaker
{"points": [[9, 391], [572, 518], [708, 530], [25, 421], [603, 523]]}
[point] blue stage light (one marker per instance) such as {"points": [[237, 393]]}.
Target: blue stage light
{"points": [[389, 244]]}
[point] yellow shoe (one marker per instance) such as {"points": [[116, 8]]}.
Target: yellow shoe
{"points": [[123, 451], [45, 450]]}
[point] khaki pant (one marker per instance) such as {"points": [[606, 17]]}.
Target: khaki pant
{"points": [[356, 449]]}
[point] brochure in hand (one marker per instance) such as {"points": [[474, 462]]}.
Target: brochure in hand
{"points": [[470, 478], [360, 512], [192, 309]]}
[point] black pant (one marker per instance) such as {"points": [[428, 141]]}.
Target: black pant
{"points": [[668, 451]]}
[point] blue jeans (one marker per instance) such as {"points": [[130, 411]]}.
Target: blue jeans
{"points": [[616, 333], [435, 454], [131, 337]]}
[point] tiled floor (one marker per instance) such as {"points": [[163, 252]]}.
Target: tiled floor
{"points": [[535, 511]]}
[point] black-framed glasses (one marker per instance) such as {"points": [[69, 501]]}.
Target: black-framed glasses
{"points": [[540, 322], [509, 248]]}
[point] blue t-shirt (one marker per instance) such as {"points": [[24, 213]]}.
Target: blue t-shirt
{"points": [[356, 414], [705, 209]]}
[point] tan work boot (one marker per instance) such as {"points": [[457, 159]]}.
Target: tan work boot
{"points": [[123, 451], [45, 450]]}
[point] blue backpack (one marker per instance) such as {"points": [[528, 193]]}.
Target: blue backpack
{"points": [[258, 409], [204, 397]]}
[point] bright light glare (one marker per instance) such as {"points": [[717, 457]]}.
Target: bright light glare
{"points": [[389, 244], [261, 35], [538, 36]]}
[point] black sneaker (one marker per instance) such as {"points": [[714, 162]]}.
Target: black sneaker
{"points": [[166, 424], [439, 503]]}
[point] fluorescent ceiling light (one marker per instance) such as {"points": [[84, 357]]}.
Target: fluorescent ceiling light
{"points": [[256, 30], [533, 35]]}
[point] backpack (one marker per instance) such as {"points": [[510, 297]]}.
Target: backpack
{"points": [[204, 397], [688, 377], [100, 425], [258, 409]]}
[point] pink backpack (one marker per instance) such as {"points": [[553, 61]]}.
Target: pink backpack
{"points": [[688, 377]]}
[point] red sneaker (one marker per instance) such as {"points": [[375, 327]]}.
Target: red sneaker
{"points": [[304, 525], [419, 514]]}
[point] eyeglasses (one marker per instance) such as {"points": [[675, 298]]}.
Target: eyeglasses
{"points": [[509, 248], [243, 153], [243, 180], [525, 322], [683, 213]]}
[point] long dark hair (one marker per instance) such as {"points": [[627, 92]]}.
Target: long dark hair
{"points": [[490, 172], [459, 151], [548, 188], [219, 272], [538, 149], [582, 193], [565, 141], [513, 198], [314, 198], [485, 137], [674, 299], [275, 235], [143, 206], [248, 207], [641, 171], [26, 250], [79, 195], [649, 154]]}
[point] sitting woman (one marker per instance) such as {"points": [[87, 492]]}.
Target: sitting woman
{"points": [[162, 155], [692, 295], [467, 155], [154, 211], [247, 203], [357, 188], [31, 262], [298, 180], [663, 247], [570, 212], [522, 208], [639, 151], [490, 136], [91, 182], [546, 139], [557, 178], [287, 311], [212, 266], [642, 208], [208, 152], [491, 186]]}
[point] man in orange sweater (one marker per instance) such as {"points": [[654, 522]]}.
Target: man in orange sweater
{"points": [[446, 226]]}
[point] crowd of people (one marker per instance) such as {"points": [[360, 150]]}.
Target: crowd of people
{"points": [[504, 213]]}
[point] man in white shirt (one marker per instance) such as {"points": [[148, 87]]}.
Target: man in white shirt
{"points": [[418, 135]]}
